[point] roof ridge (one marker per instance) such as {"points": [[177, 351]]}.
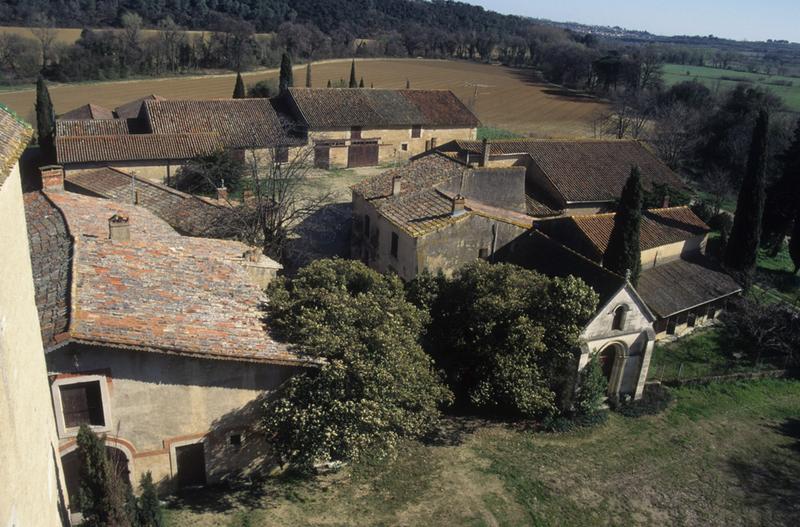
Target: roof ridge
{"points": [[576, 253], [15, 116]]}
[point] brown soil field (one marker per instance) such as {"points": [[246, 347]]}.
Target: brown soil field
{"points": [[507, 98]]}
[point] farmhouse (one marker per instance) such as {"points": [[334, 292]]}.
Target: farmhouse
{"points": [[367, 127], [30, 469], [164, 134], [568, 177], [155, 339]]}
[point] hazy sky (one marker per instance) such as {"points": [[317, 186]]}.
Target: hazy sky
{"points": [[738, 19]]}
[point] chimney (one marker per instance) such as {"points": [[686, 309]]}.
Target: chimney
{"points": [[260, 269], [222, 194], [52, 178], [458, 205], [433, 143], [665, 203], [119, 228], [486, 151], [396, 185]]}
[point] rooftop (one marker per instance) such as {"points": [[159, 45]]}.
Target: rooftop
{"points": [[88, 111], [134, 147], [160, 291], [684, 284], [586, 170], [343, 107], [14, 136]]}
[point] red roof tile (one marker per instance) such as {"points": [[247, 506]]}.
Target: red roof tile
{"points": [[135, 147], [14, 136]]}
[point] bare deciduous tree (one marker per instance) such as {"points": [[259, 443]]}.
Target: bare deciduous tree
{"points": [[44, 29]]}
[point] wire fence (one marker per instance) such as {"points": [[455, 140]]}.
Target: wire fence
{"points": [[681, 371]]}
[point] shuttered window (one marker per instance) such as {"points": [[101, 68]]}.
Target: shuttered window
{"points": [[416, 131], [82, 403]]}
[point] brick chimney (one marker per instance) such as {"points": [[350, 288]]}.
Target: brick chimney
{"points": [[396, 185], [458, 205], [222, 194], [52, 178], [665, 203], [119, 228], [486, 151]]}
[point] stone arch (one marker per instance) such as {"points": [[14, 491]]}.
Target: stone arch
{"points": [[613, 357], [620, 317], [120, 453]]}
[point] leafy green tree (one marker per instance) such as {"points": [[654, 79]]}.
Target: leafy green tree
{"points": [[203, 175], [623, 254], [308, 76], [506, 336], [102, 496], [353, 82], [238, 90], [263, 89], [45, 119], [742, 248], [375, 385], [286, 79], [591, 389], [149, 510], [783, 198]]}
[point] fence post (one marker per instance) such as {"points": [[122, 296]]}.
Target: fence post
{"points": [[680, 371]]}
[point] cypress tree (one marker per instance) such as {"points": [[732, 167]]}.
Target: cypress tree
{"points": [[149, 511], [742, 249], [308, 76], [329, 83], [408, 84], [783, 198], [45, 119], [286, 80], [623, 254], [238, 90], [794, 244], [361, 83], [94, 495], [353, 82]]}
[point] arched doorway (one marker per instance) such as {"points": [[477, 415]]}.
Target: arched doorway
{"points": [[71, 464], [611, 358]]}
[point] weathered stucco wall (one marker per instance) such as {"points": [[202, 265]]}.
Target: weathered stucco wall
{"points": [[157, 400], [670, 252], [30, 480]]}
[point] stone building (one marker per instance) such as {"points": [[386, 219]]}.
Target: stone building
{"points": [[152, 138], [368, 127], [154, 339], [31, 483], [568, 177]]}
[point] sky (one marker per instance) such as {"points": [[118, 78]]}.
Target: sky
{"points": [[736, 19]]}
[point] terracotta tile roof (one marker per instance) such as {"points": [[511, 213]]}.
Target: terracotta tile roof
{"points": [[185, 213], [51, 255], [344, 107], [161, 291], [418, 175], [131, 109], [239, 123], [14, 136], [538, 209], [80, 127], [88, 111], [584, 170], [684, 284], [135, 147], [420, 213], [590, 234]]}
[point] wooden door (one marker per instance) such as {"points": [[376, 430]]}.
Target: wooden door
{"points": [[362, 155], [322, 156], [191, 460]]}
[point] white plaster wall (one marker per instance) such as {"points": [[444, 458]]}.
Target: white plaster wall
{"points": [[29, 465]]}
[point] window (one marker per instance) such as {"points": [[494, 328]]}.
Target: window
{"points": [[235, 440], [395, 241], [416, 131], [282, 154], [82, 403], [620, 313], [404, 147], [483, 253], [355, 132]]}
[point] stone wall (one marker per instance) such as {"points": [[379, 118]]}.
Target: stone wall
{"points": [[30, 473]]}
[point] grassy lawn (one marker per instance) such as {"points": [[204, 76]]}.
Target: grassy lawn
{"points": [[726, 454], [775, 276], [788, 88], [491, 133]]}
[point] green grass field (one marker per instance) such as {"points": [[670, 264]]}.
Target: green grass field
{"points": [[726, 454], [721, 79]]}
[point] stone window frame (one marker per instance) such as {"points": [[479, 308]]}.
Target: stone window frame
{"points": [[55, 390], [620, 311]]}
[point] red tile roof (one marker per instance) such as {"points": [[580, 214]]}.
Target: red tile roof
{"points": [[14, 136], [80, 127], [323, 108], [135, 147], [161, 291], [584, 170], [88, 111], [131, 109]]}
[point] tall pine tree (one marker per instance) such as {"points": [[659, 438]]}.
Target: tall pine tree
{"points": [[623, 254], [794, 244], [361, 83], [742, 249], [783, 198], [308, 75], [353, 81], [286, 80], [238, 91], [45, 120], [149, 510]]}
